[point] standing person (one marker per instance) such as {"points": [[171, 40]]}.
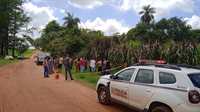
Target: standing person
{"points": [[60, 63], [99, 64], [46, 67], [82, 64], [56, 64], [77, 63], [50, 65], [92, 65], [104, 66], [107, 67], [67, 64], [86, 63]]}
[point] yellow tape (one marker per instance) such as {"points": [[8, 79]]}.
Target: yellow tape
{"points": [[105, 70]]}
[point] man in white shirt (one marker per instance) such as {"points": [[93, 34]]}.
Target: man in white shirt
{"points": [[92, 65]]}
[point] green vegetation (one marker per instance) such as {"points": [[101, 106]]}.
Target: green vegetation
{"points": [[169, 39], [4, 62], [147, 14], [28, 53], [87, 77], [13, 18], [70, 21]]}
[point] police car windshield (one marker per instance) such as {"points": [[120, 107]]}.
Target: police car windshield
{"points": [[195, 78]]}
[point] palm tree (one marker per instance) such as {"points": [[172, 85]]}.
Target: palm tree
{"points": [[70, 21], [147, 13]]}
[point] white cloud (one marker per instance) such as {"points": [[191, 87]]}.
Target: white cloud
{"points": [[109, 27], [194, 21], [86, 4], [62, 11], [163, 8], [40, 15]]}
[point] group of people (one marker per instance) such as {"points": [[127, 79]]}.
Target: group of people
{"points": [[81, 64], [102, 65], [51, 65], [56, 65]]}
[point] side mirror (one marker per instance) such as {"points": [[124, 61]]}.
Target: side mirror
{"points": [[112, 77]]}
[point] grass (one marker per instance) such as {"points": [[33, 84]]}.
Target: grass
{"points": [[4, 62], [86, 78], [28, 53]]}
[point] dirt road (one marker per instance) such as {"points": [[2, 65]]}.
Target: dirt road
{"points": [[24, 89]]}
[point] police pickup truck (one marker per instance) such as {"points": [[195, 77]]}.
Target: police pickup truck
{"points": [[153, 86]]}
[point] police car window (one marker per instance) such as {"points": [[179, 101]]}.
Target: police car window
{"points": [[126, 74], [166, 78], [144, 76], [195, 79]]}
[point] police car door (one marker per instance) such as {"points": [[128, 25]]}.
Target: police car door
{"points": [[120, 85], [142, 88]]}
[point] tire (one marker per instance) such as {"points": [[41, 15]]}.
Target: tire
{"points": [[103, 96], [161, 109]]}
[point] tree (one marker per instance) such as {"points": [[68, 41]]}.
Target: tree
{"points": [[5, 18], [147, 14], [173, 29], [20, 19], [21, 44], [99, 48], [52, 26], [141, 32], [12, 17], [70, 21]]}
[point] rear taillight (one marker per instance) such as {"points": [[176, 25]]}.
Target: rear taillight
{"points": [[194, 96]]}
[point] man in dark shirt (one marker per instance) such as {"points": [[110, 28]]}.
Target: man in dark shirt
{"points": [[107, 67], [67, 63]]}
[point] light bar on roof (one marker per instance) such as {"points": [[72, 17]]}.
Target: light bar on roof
{"points": [[153, 61]]}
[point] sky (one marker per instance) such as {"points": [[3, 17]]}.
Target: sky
{"points": [[110, 16]]}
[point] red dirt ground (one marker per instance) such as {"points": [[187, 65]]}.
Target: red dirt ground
{"points": [[24, 89]]}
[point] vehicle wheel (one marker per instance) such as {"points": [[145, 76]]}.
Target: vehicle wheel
{"points": [[161, 109], [103, 95]]}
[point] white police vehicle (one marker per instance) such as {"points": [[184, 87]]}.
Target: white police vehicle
{"points": [[151, 86]]}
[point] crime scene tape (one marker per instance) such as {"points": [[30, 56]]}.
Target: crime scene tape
{"points": [[103, 70]]}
